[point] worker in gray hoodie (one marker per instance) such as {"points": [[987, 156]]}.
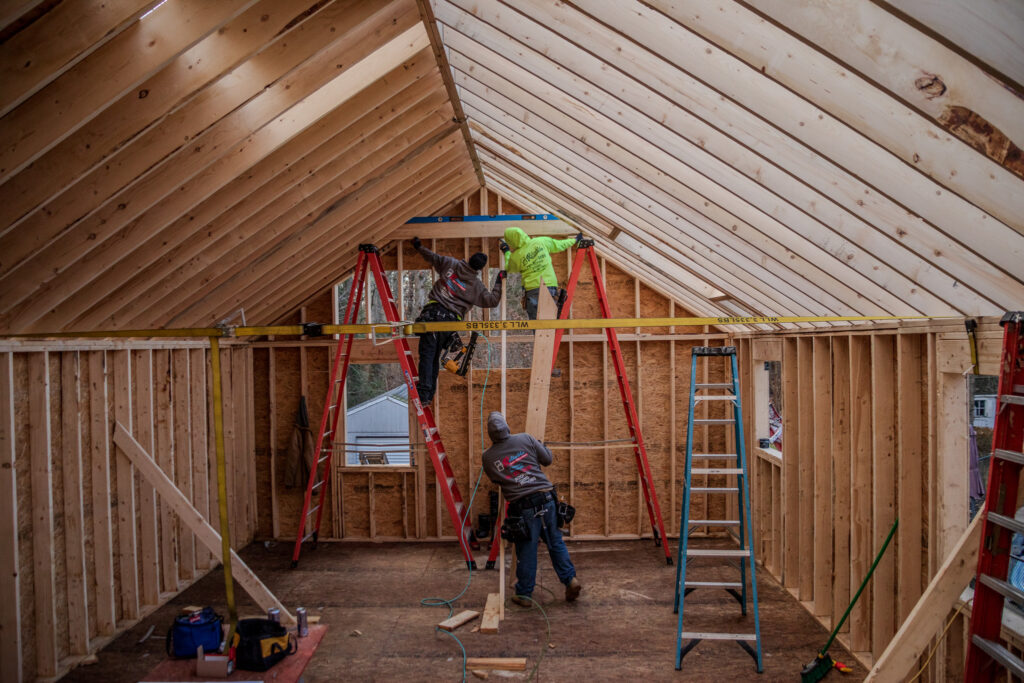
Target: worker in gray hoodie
{"points": [[513, 462], [457, 289]]}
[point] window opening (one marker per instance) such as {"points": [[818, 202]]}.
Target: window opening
{"points": [[377, 415], [768, 406], [981, 401]]}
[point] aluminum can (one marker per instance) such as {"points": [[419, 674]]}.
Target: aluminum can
{"points": [[274, 614], [302, 621]]}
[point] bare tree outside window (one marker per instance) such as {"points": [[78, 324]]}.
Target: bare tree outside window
{"points": [[774, 368]]}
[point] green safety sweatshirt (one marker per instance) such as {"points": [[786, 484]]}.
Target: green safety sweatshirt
{"points": [[531, 256]]}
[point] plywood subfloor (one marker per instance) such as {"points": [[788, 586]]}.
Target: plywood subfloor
{"points": [[621, 628]]}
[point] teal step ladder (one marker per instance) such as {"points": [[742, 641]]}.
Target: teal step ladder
{"points": [[745, 553]]}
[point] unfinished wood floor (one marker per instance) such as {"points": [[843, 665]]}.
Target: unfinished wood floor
{"points": [[621, 628]]}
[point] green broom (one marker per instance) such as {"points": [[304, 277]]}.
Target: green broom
{"points": [[819, 667]]}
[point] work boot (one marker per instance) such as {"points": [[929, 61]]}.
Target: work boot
{"points": [[522, 601], [572, 589]]}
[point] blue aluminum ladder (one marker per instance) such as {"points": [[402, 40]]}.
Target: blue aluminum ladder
{"points": [[745, 552]]}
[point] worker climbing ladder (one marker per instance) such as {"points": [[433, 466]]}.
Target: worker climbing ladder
{"points": [[986, 656], [745, 553], [587, 252], [319, 476]]}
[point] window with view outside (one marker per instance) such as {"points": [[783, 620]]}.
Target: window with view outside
{"points": [[982, 401], [376, 415], [774, 435]]}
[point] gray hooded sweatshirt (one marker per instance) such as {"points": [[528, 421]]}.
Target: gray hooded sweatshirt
{"points": [[514, 461], [459, 287]]}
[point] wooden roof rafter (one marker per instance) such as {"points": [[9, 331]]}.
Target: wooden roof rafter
{"points": [[917, 69], [864, 130], [621, 143], [662, 184], [888, 278], [141, 129], [307, 94], [629, 263], [260, 144], [667, 279], [82, 92], [544, 193], [467, 32], [678, 222], [291, 256], [273, 194], [171, 160], [756, 284], [426, 196], [788, 126], [31, 61]]}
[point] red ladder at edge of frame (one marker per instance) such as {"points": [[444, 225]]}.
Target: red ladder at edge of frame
{"points": [[990, 587]]}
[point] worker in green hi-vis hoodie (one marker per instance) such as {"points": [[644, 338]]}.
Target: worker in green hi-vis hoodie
{"points": [[531, 258]]}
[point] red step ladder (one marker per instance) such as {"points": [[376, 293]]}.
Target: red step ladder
{"points": [[986, 656], [587, 251], [319, 476]]}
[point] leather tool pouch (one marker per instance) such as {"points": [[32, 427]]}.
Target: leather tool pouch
{"points": [[514, 529], [565, 513]]}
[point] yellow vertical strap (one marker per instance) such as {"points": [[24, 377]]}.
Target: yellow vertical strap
{"points": [[222, 487]]}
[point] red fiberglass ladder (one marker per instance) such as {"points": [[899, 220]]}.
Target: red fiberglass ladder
{"points": [[986, 656], [587, 251], [319, 476]]}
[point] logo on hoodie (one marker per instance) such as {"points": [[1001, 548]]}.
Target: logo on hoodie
{"points": [[519, 468], [532, 260], [454, 285]]}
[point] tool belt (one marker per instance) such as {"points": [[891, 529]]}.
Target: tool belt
{"points": [[435, 312], [515, 528], [532, 500]]}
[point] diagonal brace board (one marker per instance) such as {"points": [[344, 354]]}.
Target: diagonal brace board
{"points": [[925, 620], [195, 521]]}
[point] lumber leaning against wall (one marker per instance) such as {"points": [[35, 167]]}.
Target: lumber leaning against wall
{"points": [[874, 428], [88, 547], [396, 503]]}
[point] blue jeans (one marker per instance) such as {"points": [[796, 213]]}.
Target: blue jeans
{"points": [[543, 526], [431, 348], [531, 300], [432, 345]]}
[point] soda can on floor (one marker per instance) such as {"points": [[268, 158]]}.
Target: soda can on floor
{"points": [[303, 621], [274, 614]]}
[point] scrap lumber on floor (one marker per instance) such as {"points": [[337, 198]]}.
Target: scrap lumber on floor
{"points": [[502, 663], [460, 619], [195, 521], [492, 612]]}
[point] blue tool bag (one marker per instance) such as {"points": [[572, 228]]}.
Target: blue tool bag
{"points": [[192, 630]]}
